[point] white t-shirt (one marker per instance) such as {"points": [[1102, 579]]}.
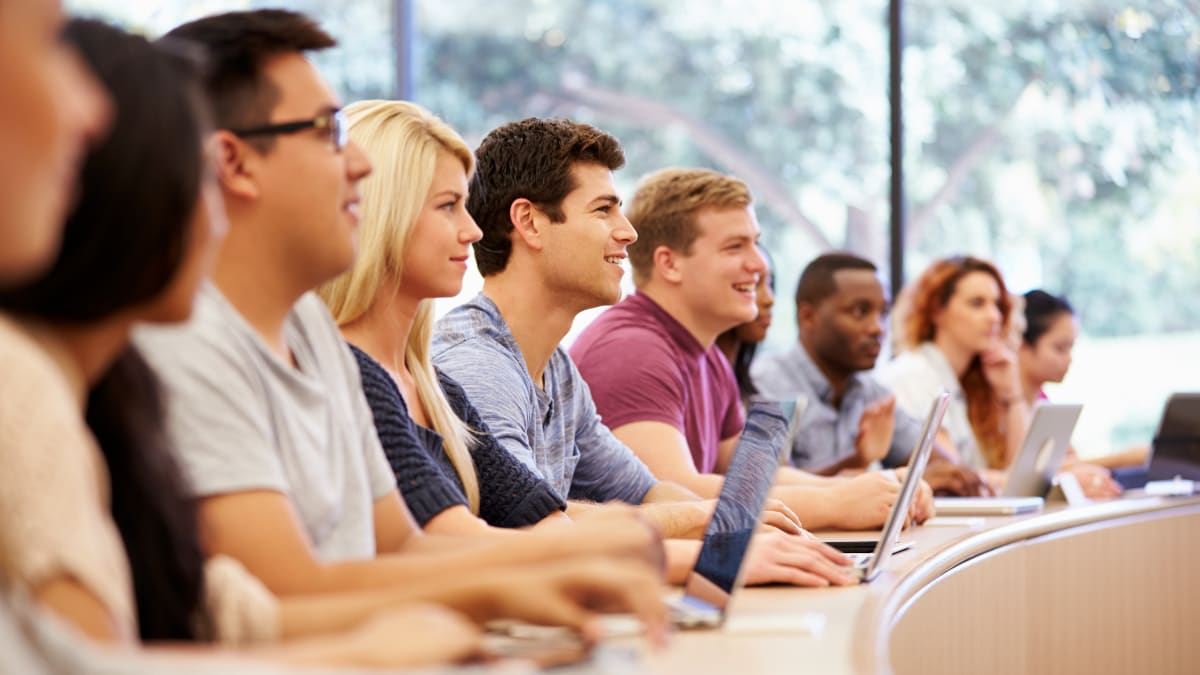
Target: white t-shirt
{"points": [[241, 419], [915, 377]]}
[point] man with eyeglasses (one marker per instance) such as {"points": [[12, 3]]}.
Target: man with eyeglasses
{"points": [[265, 409]]}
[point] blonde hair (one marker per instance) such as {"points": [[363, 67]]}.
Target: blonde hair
{"points": [[664, 207], [403, 141]]}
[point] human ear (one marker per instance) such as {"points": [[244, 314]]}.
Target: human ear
{"points": [[666, 264], [235, 167], [524, 216]]}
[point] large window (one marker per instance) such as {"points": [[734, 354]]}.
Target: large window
{"points": [[790, 96], [1062, 140], [362, 66]]}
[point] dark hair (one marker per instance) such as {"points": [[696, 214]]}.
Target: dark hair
{"points": [[122, 245], [530, 159], [124, 240], [1041, 309], [236, 46], [816, 281]]}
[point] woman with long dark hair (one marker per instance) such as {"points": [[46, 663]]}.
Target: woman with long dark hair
{"points": [[99, 527], [1044, 355]]}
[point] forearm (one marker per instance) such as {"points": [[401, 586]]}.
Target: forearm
{"points": [[438, 560], [678, 520], [814, 505], [791, 476]]}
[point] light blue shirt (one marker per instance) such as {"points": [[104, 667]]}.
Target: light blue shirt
{"points": [[827, 433], [554, 429]]}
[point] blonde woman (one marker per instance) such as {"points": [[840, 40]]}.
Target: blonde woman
{"points": [[414, 245], [414, 238]]}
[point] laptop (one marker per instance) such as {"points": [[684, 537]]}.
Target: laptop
{"points": [[793, 410], [718, 571], [1175, 451], [868, 565], [1042, 453]]}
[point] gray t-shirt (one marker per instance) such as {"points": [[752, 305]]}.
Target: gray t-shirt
{"points": [[553, 429], [827, 433], [240, 418]]}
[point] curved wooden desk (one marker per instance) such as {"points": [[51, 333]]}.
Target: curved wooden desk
{"points": [[1104, 588]]}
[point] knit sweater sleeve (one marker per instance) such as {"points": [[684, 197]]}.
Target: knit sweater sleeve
{"points": [[511, 495], [427, 486]]}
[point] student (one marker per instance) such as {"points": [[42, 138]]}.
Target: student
{"points": [[52, 107], [139, 259], [740, 343], [416, 236], [553, 240], [266, 413], [849, 419], [673, 398], [951, 324], [1045, 356]]}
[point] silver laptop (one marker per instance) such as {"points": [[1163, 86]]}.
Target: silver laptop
{"points": [[719, 570], [1041, 455], [869, 565], [793, 410]]}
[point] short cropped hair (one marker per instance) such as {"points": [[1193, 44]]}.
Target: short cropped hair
{"points": [[663, 210], [529, 159], [236, 46], [817, 282]]}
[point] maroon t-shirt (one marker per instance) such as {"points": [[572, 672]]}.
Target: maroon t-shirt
{"points": [[643, 366]]}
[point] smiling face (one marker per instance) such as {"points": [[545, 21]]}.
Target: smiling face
{"points": [[844, 332], [52, 106], [755, 331], [309, 195], [717, 277], [972, 318], [583, 254], [436, 255], [1049, 359]]}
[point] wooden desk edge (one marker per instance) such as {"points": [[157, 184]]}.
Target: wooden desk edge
{"points": [[874, 623]]}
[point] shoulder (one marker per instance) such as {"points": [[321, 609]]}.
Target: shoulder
{"points": [[464, 324], [370, 369], [33, 387], [22, 360], [215, 339]]}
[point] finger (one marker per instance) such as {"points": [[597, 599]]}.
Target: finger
{"points": [[780, 522], [787, 511], [797, 577], [829, 553]]}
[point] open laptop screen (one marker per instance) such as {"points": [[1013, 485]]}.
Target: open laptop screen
{"points": [[747, 482]]}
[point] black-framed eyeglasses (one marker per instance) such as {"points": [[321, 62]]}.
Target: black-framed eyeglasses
{"points": [[333, 121]]}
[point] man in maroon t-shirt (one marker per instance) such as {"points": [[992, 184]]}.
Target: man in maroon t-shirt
{"points": [[657, 378]]}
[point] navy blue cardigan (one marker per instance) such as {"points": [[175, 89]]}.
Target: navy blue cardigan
{"points": [[510, 494]]}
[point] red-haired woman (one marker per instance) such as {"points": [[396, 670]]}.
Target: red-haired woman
{"points": [[950, 328]]}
